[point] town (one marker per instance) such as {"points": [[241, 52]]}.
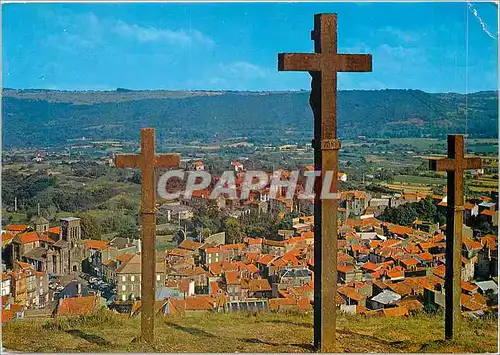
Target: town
{"points": [[53, 269]]}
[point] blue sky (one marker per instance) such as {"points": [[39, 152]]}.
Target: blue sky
{"points": [[224, 46]]}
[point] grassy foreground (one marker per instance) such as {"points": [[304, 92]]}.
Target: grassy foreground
{"points": [[243, 332]]}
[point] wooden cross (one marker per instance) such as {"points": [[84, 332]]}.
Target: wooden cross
{"points": [[454, 166], [147, 161], [323, 66]]}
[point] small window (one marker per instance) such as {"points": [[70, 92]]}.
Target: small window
{"points": [[124, 278], [158, 277], [124, 297], [132, 278], [124, 287]]}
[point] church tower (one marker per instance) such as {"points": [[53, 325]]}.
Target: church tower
{"points": [[41, 225], [70, 229]]}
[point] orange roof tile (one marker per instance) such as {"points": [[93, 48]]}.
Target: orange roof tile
{"points": [[232, 246], [344, 268], [400, 230], [76, 306], [232, 277], [259, 285], [7, 236], [266, 259], [410, 261], [96, 244], [471, 244], [16, 227], [55, 230], [468, 286], [254, 241]]}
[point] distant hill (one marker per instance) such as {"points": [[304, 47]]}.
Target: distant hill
{"points": [[34, 118]]}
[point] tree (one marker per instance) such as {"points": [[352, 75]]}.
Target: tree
{"points": [[91, 226], [234, 232]]}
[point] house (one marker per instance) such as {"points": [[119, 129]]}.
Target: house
{"points": [[190, 305], [128, 278], [210, 255], [355, 202], [295, 277], [273, 247], [352, 297], [78, 306], [346, 273], [470, 248], [259, 288], [385, 299], [6, 285], [233, 286]]}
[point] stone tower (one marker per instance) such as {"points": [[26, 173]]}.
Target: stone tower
{"points": [[70, 229], [41, 225]]}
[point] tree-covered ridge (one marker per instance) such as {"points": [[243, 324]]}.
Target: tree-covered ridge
{"points": [[51, 118]]}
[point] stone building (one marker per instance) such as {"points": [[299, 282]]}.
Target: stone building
{"points": [[57, 251]]}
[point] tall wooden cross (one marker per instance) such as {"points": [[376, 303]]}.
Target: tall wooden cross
{"points": [[454, 166], [323, 66], [147, 161]]}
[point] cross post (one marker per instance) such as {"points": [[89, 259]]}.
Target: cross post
{"points": [[454, 166], [323, 66], [147, 161]]}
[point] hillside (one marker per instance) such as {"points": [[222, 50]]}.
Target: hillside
{"points": [[41, 118], [222, 332]]}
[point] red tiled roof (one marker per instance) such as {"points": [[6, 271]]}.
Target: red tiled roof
{"points": [[55, 230], [254, 241], [344, 268], [212, 250], [259, 285], [7, 236], [400, 230], [76, 306], [471, 244], [96, 244], [16, 227], [440, 271], [351, 293], [232, 246], [371, 266], [468, 286], [232, 277], [189, 244], [266, 259], [410, 261]]}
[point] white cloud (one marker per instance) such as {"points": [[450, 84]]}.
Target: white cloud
{"points": [[153, 34]]}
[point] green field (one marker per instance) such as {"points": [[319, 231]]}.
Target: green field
{"points": [[419, 180]]}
